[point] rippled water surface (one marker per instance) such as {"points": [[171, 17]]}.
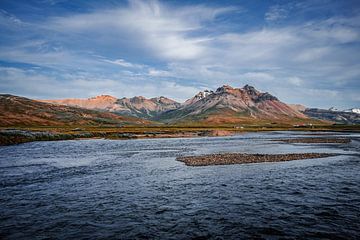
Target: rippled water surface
{"points": [[135, 189]]}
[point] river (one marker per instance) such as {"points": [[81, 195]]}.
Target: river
{"points": [[132, 189]]}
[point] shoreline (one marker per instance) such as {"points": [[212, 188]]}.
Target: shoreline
{"points": [[244, 158], [16, 136]]}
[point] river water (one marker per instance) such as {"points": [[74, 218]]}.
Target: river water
{"points": [[133, 189]]}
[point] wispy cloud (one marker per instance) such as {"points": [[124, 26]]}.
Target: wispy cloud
{"points": [[159, 73], [8, 18], [123, 63], [276, 13]]}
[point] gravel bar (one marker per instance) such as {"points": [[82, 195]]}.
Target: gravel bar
{"points": [[243, 158]]}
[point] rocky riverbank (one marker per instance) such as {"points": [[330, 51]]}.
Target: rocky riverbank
{"points": [[17, 136], [242, 158], [14, 136]]}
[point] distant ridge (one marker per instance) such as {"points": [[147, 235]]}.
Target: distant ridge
{"points": [[347, 116], [343, 117], [20, 111], [136, 106], [102, 102]]}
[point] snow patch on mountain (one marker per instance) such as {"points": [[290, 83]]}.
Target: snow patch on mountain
{"points": [[353, 110]]}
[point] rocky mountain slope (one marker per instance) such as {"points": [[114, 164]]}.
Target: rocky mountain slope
{"points": [[232, 105], [22, 111], [136, 106], [298, 107]]}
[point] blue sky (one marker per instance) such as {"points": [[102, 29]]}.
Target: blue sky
{"points": [[301, 51]]}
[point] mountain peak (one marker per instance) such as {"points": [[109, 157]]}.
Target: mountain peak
{"points": [[140, 97], [198, 96], [247, 87], [250, 90], [224, 88], [204, 94], [103, 97], [163, 100]]}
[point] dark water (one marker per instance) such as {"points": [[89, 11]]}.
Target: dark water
{"points": [[100, 189]]}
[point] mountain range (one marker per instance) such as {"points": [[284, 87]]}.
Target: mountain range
{"points": [[225, 105]]}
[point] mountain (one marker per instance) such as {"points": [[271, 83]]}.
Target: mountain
{"points": [[146, 108], [103, 102], [347, 116], [136, 106], [353, 110], [233, 105], [344, 117], [16, 110]]}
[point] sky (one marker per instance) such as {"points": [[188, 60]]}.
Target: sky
{"points": [[305, 52]]}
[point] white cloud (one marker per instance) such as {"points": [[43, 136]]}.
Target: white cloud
{"points": [[39, 52], [123, 63], [312, 54], [159, 73], [276, 13], [163, 30]]}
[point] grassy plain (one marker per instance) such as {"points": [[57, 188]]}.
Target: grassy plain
{"points": [[20, 134]]}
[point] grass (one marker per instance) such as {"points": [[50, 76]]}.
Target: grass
{"points": [[156, 131], [247, 127]]}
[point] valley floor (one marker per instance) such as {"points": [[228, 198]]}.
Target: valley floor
{"points": [[16, 135]]}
